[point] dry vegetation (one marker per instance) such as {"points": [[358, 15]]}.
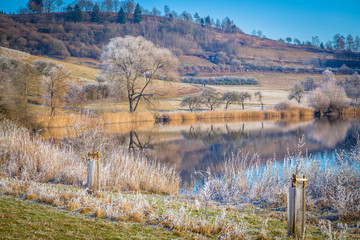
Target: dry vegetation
{"points": [[29, 158], [27, 163], [291, 113]]}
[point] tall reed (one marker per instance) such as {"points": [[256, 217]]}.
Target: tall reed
{"points": [[333, 184], [29, 158]]}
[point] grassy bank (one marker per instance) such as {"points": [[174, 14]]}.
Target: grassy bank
{"points": [[161, 216], [247, 201], [28, 220]]}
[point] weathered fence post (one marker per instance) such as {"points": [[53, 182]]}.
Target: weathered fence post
{"points": [[92, 184], [296, 207]]}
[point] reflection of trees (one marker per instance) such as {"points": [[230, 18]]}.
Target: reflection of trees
{"points": [[329, 133], [134, 142], [208, 137]]}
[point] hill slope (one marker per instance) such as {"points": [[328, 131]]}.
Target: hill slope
{"points": [[202, 50]]}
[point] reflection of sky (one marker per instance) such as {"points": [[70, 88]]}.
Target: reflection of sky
{"points": [[204, 146]]}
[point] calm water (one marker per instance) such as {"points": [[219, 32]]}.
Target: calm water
{"points": [[200, 146]]}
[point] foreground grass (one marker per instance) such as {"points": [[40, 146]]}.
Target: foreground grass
{"points": [[168, 217], [28, 220]]}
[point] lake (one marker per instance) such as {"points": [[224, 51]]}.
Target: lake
{"points": [[199, 146]]}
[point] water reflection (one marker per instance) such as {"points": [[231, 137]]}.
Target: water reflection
{"points": [[203, 146], [136, 144], [200, 146], [329, 132]]}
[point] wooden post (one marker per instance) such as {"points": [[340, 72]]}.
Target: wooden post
{"points": [[93, 185], [296, 207]]}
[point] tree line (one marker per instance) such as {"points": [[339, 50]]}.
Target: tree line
{"points": [[213, 99], [124, 10], [339, 42]]}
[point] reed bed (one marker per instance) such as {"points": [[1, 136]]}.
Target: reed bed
{"points": [[332, 184], [126, 117], [350, 113], [29, 158], [65, 120], [292, 113], [68, 120]]}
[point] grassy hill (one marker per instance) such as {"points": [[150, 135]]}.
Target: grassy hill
{"points": [[201, 50]]}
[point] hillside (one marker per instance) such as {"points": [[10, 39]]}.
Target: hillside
{"points": [[201, 50]]}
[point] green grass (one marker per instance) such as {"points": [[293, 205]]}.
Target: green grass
{"points": [[28, 220]]}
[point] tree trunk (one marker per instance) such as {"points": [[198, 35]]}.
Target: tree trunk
{"points": [[131, 105]]}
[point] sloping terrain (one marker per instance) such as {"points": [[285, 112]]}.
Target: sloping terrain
{"points": [[201, 50]]}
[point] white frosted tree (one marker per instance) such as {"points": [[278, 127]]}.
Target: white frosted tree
{"points": [[133, 62], [329, 96], [296, 92]]}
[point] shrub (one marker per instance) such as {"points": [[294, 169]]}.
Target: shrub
{"points": [[225, 80], [329, 97]]}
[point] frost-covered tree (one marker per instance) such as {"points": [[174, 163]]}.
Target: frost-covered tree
{"points": [[259, 97], [230, 98], [329, 97], [133, 62], [211, 98], [54, 79], [296, 92], [352, 87], [191, 102], [242, 98]]}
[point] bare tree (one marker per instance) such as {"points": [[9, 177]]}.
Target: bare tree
{"points": [[242, 98], [230, 98], [352, 87], [128, 6], [210, 98], [54, 78], [133, 62], [309, 84], [192, 102], [49, 5], [58, 4], [107, 5], [296, 92], [259, 97]]}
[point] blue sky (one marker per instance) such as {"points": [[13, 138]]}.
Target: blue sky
{"points": [[300, 19]]}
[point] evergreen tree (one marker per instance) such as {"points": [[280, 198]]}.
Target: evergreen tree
{"points": [[171, 17], [95, 15], [197, 18], [69, 13], [77, 15], [137, 14], [121, 16]]}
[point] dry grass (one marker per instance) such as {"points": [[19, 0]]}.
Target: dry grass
{"points": [[350, 113], [126, 117], [139, 208], [293, 113], [29, 158], [333, 183], [76, 70]]}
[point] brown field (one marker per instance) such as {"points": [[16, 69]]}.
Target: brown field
{"points": [[296, 55]]}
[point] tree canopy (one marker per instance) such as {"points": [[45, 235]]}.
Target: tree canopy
{"points": [[132, 62]]}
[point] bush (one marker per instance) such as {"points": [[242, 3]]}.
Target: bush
{"points": [[225, 80], [282, 106], [329, 98]]}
